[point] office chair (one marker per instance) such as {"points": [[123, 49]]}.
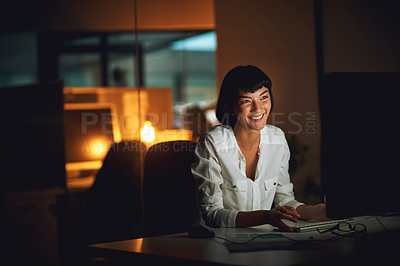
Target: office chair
{"points": [[114, 206], [169, 196]]}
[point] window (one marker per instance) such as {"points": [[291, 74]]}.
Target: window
{"points": [[177, 74], [18, 64], [183, 61]]}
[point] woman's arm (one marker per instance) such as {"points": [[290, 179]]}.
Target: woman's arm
{"points": [[312, 212], [284, 195], [207, 174], [273, 217]]}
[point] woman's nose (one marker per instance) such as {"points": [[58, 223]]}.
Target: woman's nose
{"points": [[256, 106]]}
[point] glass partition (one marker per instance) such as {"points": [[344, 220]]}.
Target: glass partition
{"points": [[176, 99]]}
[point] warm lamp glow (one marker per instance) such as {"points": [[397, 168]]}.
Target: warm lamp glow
{"points": [[148, 132], [97, 147]]}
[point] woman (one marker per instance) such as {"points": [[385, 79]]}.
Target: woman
{"points": [[242, 166]]}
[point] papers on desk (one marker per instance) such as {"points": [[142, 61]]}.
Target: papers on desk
{"points": [[264, 238], [283, 244], [273, 242]]}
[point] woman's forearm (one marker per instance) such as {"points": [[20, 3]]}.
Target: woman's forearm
{"points": [[312, 212], [305, 211], [251, 218], [273, 217]]}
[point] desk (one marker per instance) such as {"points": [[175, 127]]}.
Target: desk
{"points": [[181, 250]]}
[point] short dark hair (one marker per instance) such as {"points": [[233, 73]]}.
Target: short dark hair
{"points": [[247, 78]]}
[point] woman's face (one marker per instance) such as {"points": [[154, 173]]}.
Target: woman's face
{"points": [[252, 109]]}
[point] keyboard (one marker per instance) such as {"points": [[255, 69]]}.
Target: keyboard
{"points": [[317, 225]]}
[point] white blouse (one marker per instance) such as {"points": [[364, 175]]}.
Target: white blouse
{"points": [[220, 174]]}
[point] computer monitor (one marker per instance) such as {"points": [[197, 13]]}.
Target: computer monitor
{"points": [[359, 143], [90, 129]]}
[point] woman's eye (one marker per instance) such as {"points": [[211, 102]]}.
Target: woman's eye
{"points": [[244, 101], [264, 97]]}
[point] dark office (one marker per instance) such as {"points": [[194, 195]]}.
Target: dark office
{"points": [[199, 132]]}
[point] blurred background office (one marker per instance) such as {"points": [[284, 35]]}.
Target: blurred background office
{"points": [[79, 76]]}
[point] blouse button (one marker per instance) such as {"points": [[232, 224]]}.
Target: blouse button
{"points": [[234, 186], [274, 183]]}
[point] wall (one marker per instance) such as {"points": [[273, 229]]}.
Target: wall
{"points": [[278, 37], [104, 15], [361, 36]]}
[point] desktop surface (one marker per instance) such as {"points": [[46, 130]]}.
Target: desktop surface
{"points": [[315, 248]]}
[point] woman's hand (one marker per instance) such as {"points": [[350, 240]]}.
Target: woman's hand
{"points": [[275, 216]]}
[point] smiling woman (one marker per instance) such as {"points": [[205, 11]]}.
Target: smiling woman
{"points": [[242, 167]]}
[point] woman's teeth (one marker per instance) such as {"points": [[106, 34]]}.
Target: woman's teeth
{"points": [[256, 117]]}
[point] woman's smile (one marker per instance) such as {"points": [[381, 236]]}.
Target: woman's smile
{"points": [[257, 118]]}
